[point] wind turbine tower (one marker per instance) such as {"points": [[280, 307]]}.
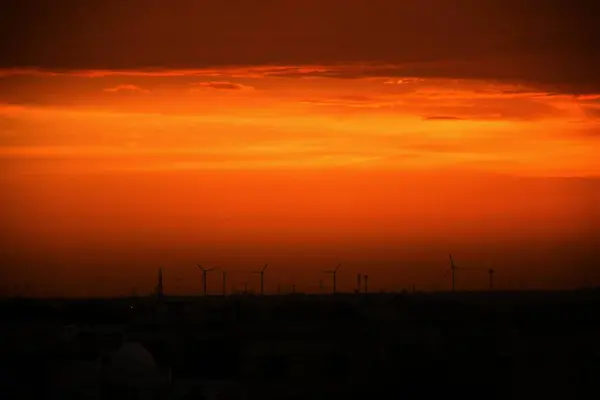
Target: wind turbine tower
{"points": [[262, 278], [333, 273], [453, 268], [491, 272], [204, 276]]}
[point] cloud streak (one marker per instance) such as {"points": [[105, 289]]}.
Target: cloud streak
{"points": [[442, 118], [126, 88], [406, 76], [221, 85]]}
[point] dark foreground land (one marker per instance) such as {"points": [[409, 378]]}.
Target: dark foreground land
{"points": [[524, 345]]}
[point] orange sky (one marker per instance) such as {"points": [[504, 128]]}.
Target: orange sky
{"points": [[339, 136], [188, 166]]}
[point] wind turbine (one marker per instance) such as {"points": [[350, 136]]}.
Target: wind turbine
{"points": [[452, 269], [204, 275], [333, 273], [262, 278]]}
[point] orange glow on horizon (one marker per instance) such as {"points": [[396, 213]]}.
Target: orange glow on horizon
{"points": [[268, 159]]}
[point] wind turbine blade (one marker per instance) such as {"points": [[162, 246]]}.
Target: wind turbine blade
{"points": [[202, 268], [265, 267], [338, 267]]}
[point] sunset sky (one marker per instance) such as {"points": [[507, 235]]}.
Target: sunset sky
{"points": [[379, 134]]}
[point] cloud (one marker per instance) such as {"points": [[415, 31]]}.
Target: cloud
{"points": [[222, 85], [402, 81], [392, 75], [127, 88], [11, 109], [442, 118], [495, 39]]}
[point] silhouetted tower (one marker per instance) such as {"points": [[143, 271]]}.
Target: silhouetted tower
{"points": [[334, 276], [204, 276], [491, 272], [366, 283], [452, 269], [358, 283], [294, 288], [159, 284], [262, 278], [224, 281]]}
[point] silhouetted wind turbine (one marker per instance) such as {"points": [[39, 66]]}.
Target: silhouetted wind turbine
{"points": [[333, 273], [204, 276], [262, 278], [453, 270], [491, 272], [454, 267]]}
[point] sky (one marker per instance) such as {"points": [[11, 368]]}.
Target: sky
{"points": [[382, 135]]}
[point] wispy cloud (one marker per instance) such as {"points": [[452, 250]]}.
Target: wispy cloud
{"points": [[404, 75], [402, 81], [127, 88], [221, 85], [442, 118]]}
